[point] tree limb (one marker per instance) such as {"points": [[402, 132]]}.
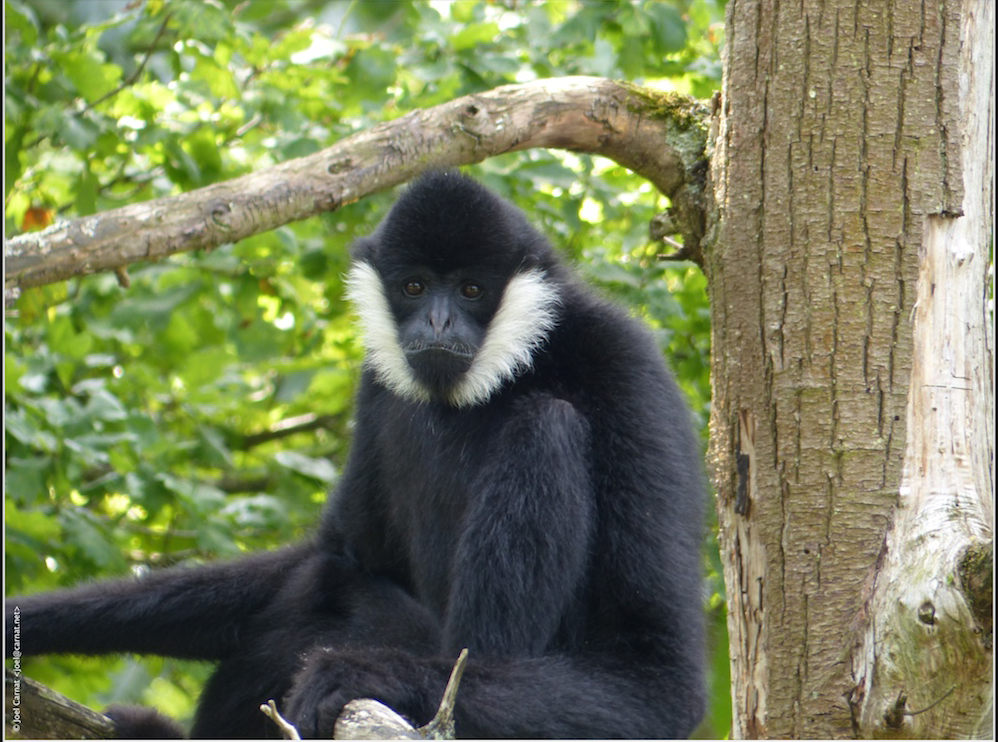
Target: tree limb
{"points": [[284, 428], [365, 718], [657, 135], [34, 711]]}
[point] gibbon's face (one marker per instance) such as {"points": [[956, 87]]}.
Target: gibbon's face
{"points": [[455, 337]]}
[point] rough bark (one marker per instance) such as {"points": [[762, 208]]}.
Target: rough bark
{"points": [[924, 668], [661, 137], [838, 143]]}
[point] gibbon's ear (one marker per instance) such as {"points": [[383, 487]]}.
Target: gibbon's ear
{"points": [[363, 249]]}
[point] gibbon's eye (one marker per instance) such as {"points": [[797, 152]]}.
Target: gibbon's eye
{"points": [[414, 287], [471, 291]]}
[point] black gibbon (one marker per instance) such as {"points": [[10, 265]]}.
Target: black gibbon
{"points": [[524, 482]]}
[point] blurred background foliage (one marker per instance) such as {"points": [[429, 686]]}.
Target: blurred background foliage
{"points": [[204, 410]]}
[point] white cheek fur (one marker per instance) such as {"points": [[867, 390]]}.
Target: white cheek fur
{"points": [[367, 292], [527, 312]]}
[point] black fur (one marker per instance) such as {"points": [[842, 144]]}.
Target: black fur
{"points": [[552, 528], [143, 723]]}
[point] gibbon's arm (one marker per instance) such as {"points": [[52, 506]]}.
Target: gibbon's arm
{"points": [[186, 612], [524, 551]]}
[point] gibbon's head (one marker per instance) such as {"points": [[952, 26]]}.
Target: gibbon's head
{"points": [[455, 292]]}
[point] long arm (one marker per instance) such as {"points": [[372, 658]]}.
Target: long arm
{"points": [[524, 552], [193, 613]]}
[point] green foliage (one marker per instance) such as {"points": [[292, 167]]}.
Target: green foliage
{"points": [[204, 410]]}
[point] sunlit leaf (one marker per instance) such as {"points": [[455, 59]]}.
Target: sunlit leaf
{"points": [[92, 77], [320, 469]]}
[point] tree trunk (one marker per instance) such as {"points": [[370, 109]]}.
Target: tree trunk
{"points": [[851, 371]]}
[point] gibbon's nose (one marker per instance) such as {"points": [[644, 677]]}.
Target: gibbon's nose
{"points": [[439, 317]]}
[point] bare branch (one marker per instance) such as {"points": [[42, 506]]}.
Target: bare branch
{"points": [[288, 730], [33, 711], [658, 136], [284, 428]]}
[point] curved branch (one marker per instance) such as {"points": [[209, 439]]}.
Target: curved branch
{"points": [[659, 136]]}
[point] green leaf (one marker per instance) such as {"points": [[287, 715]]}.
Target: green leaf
{"points": [[215, 537], [182, 168], [204, 149], [370, 73], [87, 70], [87, 186], [13, 370], [67, 341], [19, 19], [24, 478], [320, 469], [87, 534], [314, 263], [216, 78], [30, 528], [213, 448], [156, 308], [11, 159], [473, 35], [668, 26], [103, 405], [25, 429], [256, 511], [78, 133]]}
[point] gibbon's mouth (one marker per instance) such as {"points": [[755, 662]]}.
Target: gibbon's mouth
{"points": [[437, 365], [439, 351]]}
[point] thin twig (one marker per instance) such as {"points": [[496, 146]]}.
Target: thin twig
{"points": [[287, 728], [138, 70], [935, 703], [442, 725]]}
